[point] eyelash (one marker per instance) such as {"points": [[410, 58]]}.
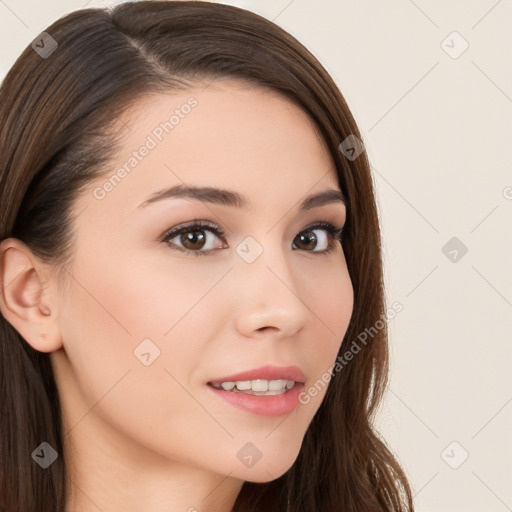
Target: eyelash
{"points": [[198, 225]]}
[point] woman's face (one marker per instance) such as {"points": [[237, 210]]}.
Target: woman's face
{"points": [[149, 322]]}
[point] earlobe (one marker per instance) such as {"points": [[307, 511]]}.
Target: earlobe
{"points": [[24, 301]]}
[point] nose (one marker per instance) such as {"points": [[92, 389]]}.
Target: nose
{"points": [[268, 297]]}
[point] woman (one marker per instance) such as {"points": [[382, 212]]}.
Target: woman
{"points": [[136, 376]]}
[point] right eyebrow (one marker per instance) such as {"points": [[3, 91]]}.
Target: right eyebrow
{"points": [[233, 199]]}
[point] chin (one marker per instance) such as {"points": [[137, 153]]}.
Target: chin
{"points": [[263, 475], [270, 470]]}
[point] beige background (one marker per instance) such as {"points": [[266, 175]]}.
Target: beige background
{"points": [[438, 129]]}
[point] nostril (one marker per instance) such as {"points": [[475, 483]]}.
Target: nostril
{"points": [[264, 329]]}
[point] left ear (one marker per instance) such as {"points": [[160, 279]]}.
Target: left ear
{"points": [[26, 300]]}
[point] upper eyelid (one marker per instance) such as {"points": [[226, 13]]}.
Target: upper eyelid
{"points": [[210, 225]]}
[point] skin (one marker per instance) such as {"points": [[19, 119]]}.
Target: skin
{"points": [[154, 438]]}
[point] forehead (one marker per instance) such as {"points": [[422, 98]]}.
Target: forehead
{"points": [[228, 135]]}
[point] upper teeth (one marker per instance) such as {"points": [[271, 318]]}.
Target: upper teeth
{"points": [[257, 385]]}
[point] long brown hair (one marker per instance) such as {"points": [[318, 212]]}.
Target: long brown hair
{"points": [[56, 119]]}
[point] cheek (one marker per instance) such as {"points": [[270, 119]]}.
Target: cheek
{"points": [[139, 295], [136, 309], [329, 295], [113, 322], [331, 301]]}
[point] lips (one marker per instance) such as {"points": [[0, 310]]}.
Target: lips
{"points": [[265, 391], [268, 372]]}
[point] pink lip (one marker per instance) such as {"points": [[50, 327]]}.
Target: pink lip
{"points": [[268, 372], [263, 405]]}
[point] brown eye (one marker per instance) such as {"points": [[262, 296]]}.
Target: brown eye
{"points": [[196, 238], [319, 235], [193, 239], [307, 239]]}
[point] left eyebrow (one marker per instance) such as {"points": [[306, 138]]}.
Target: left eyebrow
{"points": [[232, 199]]}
